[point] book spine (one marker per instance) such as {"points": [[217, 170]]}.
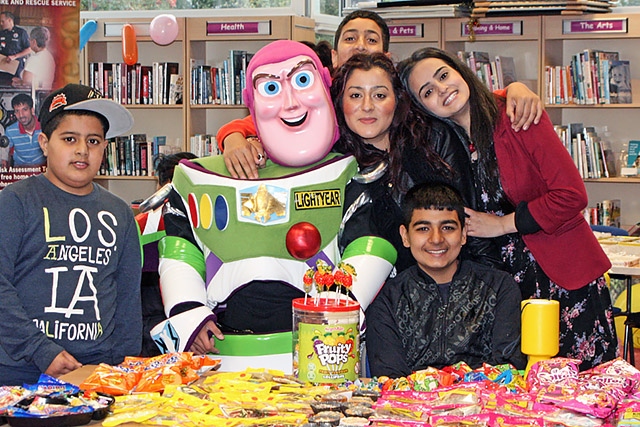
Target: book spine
{"points": [[121, 157], [580, 79], [588, 82], [135, 156], [217, 78], [548, 93], [605, 80], [137, 84], [145, 87], [558, 85], [155, 78], [232, 76], [113, 158], [100, 81], [500, 78]]}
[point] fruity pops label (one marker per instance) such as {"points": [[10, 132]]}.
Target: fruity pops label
{"points": [[328, 353]]}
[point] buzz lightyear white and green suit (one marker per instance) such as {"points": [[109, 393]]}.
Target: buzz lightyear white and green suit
{"points": [[240, 230]]}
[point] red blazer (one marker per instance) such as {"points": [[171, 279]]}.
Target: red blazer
{"points": [[535, 167]]}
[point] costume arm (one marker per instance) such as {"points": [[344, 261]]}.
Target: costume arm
{"points": [[565, 194], [385, 351], [181, 268], [19, 337], [506, 327], [358, 223], [182, 282], [128, 317], [244, 126]]}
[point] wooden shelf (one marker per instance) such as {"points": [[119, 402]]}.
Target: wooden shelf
{"points": [[154, 106], [617, 179], [597, 106], [217, 106]]}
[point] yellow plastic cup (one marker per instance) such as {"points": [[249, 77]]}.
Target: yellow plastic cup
{"points": [[540, 329]]}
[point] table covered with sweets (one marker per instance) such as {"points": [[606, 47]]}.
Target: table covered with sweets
{"points": [[554, 393]]}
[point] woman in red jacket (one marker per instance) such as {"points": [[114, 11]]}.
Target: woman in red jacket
{"points": [[532, 197]]}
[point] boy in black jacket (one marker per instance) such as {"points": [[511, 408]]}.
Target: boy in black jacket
{"points": [[443, 310]]}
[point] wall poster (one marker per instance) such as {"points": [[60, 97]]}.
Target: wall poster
{"points": [[38, 53]]}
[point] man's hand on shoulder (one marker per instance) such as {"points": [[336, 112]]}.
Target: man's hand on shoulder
{"points": [[243, 156], [62, 364], [524, 107]]}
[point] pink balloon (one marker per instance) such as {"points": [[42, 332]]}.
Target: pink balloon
{"points": [[163, 29]]}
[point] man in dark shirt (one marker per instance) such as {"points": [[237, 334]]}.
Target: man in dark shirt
{"points": [[14, 45], [443, 310]]}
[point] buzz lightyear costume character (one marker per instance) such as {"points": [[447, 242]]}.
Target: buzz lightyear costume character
{"points": [[236, 250]]}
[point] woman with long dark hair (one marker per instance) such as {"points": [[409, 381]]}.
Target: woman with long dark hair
{"points": [[531, 197]]}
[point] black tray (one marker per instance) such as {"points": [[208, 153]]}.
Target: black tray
{"points": [[59, 421], [62, 420]]}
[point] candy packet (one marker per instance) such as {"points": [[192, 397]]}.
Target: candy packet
{"points": [[556, 373]]}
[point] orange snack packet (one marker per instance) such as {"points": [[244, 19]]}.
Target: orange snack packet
{"points": [[112, 380], [155, 380]]}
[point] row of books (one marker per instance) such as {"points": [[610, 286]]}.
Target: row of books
{"points": [[607, 212], [591, 155], [592, 77], [496, 74], [203, 145], [131, 155], [222, 84], [158, 83]]}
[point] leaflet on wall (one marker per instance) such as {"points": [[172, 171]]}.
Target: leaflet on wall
{"points": [[38, 53]]}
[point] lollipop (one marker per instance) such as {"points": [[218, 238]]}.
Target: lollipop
{"points": [[344, 277], [307, 281], [323, 277]]}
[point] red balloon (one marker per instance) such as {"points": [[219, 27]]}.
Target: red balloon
{"points": [[129, 45], [303, 240]]}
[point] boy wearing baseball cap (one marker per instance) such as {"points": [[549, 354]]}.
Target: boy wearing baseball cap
{"points": [[70, 255]]}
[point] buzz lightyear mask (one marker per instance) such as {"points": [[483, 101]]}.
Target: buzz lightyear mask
{"points": [[287, 93]]}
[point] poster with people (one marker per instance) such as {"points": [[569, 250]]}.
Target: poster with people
{"points": [[38, 53]]}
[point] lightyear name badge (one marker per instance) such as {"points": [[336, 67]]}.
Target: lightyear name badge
{"points": [[318, 199], [264, 204]]}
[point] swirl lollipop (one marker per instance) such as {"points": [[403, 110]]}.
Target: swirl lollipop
{"points": [[307, 282]]}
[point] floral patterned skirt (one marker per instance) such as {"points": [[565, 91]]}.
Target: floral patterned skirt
{"points": [[587, 328]]}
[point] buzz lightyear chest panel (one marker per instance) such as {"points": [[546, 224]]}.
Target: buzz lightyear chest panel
{"points": [[242, 219]]}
